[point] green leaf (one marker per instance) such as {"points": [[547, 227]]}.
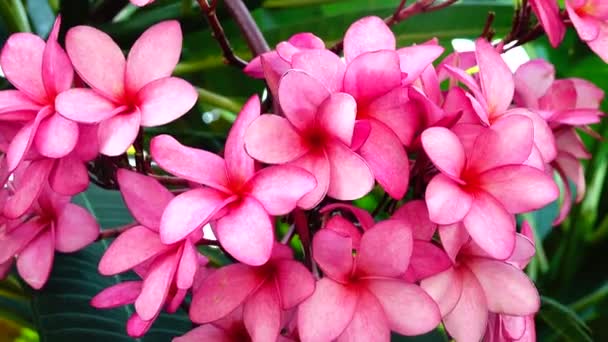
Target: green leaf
{"points": [[62, 311], [564, 322]]}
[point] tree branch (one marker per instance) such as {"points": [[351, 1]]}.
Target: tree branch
{"points": [[249, 29], [209, 11], [114, 232]]}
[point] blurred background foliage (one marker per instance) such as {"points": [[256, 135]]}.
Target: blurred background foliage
{"points": [[570, 268]]}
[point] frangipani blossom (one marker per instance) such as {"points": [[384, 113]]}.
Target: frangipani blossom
{"points": [[479, 285], [362, 294], [492, 96], [566, 104], [39, 71], [230, 328], [126, 94], [67, 175], [316, 134], [484, 182], [53, 224], [264, 292], [508, 328], [547, 12], [168, 271], [590, 19], [237, 198]]}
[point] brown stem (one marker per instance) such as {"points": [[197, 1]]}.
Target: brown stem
{"points": [[488, 32], [209, 11], [249, 29], [138, 145], [114, 232], [207, 242]]}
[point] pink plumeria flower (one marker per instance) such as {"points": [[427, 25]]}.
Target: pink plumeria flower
{"points": [[230, 328], [67, 175], [427, 258], [361, 297], [590, 19], [264, 292], [52, 224], [126, 94], [478, 285], [39, 71], [316, 134], [168, 271], [566, 104], [547, 12], [503, 327], [237, 198], [272, 65], [492, 96], [483, 183]]}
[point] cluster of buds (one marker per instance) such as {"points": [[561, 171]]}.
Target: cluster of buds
{"points": [[456, 164]]}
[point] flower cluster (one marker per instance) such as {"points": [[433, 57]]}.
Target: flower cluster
{"points": [[589, 18], [457, 164]]}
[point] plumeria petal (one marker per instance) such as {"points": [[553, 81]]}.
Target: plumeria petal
{"points": [[386, 157], [427, 260], [222, 291], [188, 264], [369, 322], [85, 105], [24, 49], [333, 252], [189, 211], [331, 302], [385, 249], [323, 65], [491, 226], [279, 188], [117, 133], [365, 35], [408, 309], [519, 188], [240, 166], [145, 197], [57, 71], [165, 100], [117, 295], [336, 116], [349, 176], [300, 95], [131, 248], [272, 139], [294, 283], [103, 70], [262, 314], [467, 321], [318, 165], [507, 289], [416, 214], [447, 202], [56, 136], [153, 55], [156, 287], [445, 288], [495, 78], [247, 232], [69, 176], [34, 177], [192, 164], [207, 332], [445, 150], [14, 242], [75, 229], [36, 260], [372, 74]]}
